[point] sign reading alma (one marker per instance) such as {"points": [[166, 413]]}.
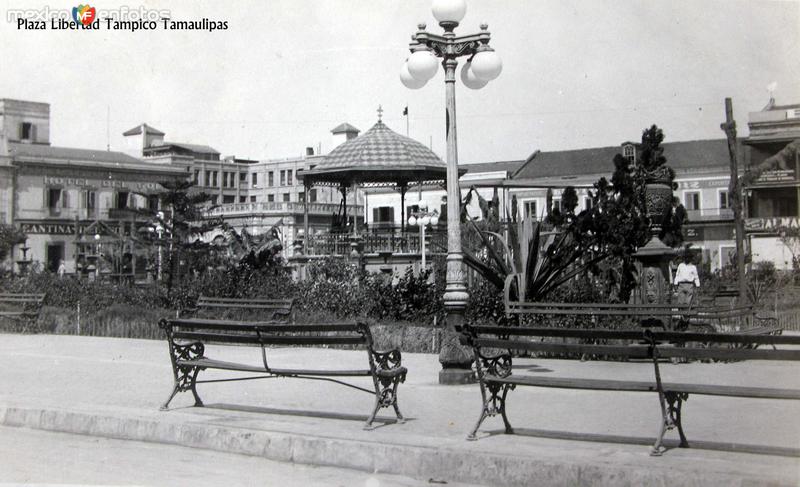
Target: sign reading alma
{"points": [[81, 182], [771, 224]]}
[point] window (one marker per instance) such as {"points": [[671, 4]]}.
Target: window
{"points": [[252, 199], [122, 200], [287, 197], [54, 200], [283, 178], [228, 198], [90, 202], [724, 203], [691, 200], [270, 198], [214, 178], [242, 177], [587, 203], [289, 180], [312, 196], [726, 255], [152, 202], [242, 199], [54, 256], [629, 153], [301, 197], [208, 178], [255, 179], [271, 179], [27, 131], [196, 176], [557, 204], [530, 209], [383, 214]]}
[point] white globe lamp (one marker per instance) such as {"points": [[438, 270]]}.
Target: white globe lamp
{"points": [[486, 65], [425, 220], [450, 11], [422, 65], [469, 79], [409, 81], [412, 221]]}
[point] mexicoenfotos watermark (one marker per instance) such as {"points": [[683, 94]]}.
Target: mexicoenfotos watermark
{"points": [[125, 18], [124, 12]]}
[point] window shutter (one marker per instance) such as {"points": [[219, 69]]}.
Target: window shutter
{"points": [[84, 196]]}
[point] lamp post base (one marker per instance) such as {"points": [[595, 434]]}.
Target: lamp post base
{"points": [[456, 376]]}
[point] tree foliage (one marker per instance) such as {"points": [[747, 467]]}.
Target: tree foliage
{"points": [[9, 236]]}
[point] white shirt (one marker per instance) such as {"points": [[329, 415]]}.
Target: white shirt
{"points": [[687, 273]]}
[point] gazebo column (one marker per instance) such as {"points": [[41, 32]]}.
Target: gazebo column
{"points": [[306, 236], [355, 209], [403, 189], [343, 189]]}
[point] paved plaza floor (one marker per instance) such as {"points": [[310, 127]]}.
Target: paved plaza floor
{"points": [[113, 387]]}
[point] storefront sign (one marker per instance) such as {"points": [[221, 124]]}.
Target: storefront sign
{"points": [[692, 233], [705, 183], [771, 224], [776, 176], [80, 182], [55, 228]]}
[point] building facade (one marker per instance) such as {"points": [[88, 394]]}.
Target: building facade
{"points": [[772, 162], [69, 201], [251, 195]]}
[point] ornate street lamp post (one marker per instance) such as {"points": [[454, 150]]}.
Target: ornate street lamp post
{"points": [[482, 66], [423, 217]]}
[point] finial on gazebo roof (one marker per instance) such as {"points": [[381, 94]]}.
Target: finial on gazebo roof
{"points": [[380, 112]]}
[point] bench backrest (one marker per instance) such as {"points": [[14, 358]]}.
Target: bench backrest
{"points": [[246, 308], [21, 301], [267, 332], [633, 343]]}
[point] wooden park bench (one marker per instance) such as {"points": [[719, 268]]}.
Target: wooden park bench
{"points": [[251, 309], [494, 370], [188, 339], [21, 307]]}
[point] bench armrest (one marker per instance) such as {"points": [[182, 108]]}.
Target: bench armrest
{"points": [[496, 365], [387, 360]]}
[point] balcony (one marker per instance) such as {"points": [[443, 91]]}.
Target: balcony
{"points": [[709, 214], [280, 208]]}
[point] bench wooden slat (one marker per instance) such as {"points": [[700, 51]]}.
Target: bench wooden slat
{"points": [[221, 364], [575, 383], [638, 334], [630, 351], [647, 386], [264, 326], [267, 339], [245, 306]]}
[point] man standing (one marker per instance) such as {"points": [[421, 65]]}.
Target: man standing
{"points": [[686, 279]]}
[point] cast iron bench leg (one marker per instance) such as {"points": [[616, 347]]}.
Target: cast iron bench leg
{"points": [[671, 404], [186, 381], [493, 405], [185, 376], [385, 396]]}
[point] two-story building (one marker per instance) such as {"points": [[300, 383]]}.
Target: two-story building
{"points": [[772, 162], [58, 195], [249, 194]]}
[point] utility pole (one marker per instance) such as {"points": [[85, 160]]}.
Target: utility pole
{"points": [[735, 195]]}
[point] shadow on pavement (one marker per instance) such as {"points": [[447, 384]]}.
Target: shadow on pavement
{"points": [[384, 421]]}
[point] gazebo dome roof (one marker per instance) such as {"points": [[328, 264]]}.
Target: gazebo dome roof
{"points": [[380, 155]]}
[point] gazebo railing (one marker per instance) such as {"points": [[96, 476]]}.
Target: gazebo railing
{"points": [[407, 242]]}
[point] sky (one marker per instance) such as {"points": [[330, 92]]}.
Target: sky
{"points": [[575, 74]]}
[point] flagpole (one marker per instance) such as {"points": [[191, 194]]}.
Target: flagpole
{"points": [[407, 120]]}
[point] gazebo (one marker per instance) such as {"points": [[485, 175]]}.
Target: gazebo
{"points": [[378, 158]]}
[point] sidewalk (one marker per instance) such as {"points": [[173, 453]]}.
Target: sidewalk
{"points": [[112, 387]]}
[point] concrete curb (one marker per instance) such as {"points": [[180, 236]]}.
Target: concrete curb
{"points": [[419, 462]]}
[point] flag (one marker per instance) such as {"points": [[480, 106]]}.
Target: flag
{"points": [[405, 111]]}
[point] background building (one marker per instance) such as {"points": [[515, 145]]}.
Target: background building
{"points": [[68, 201], [773, 198]]}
